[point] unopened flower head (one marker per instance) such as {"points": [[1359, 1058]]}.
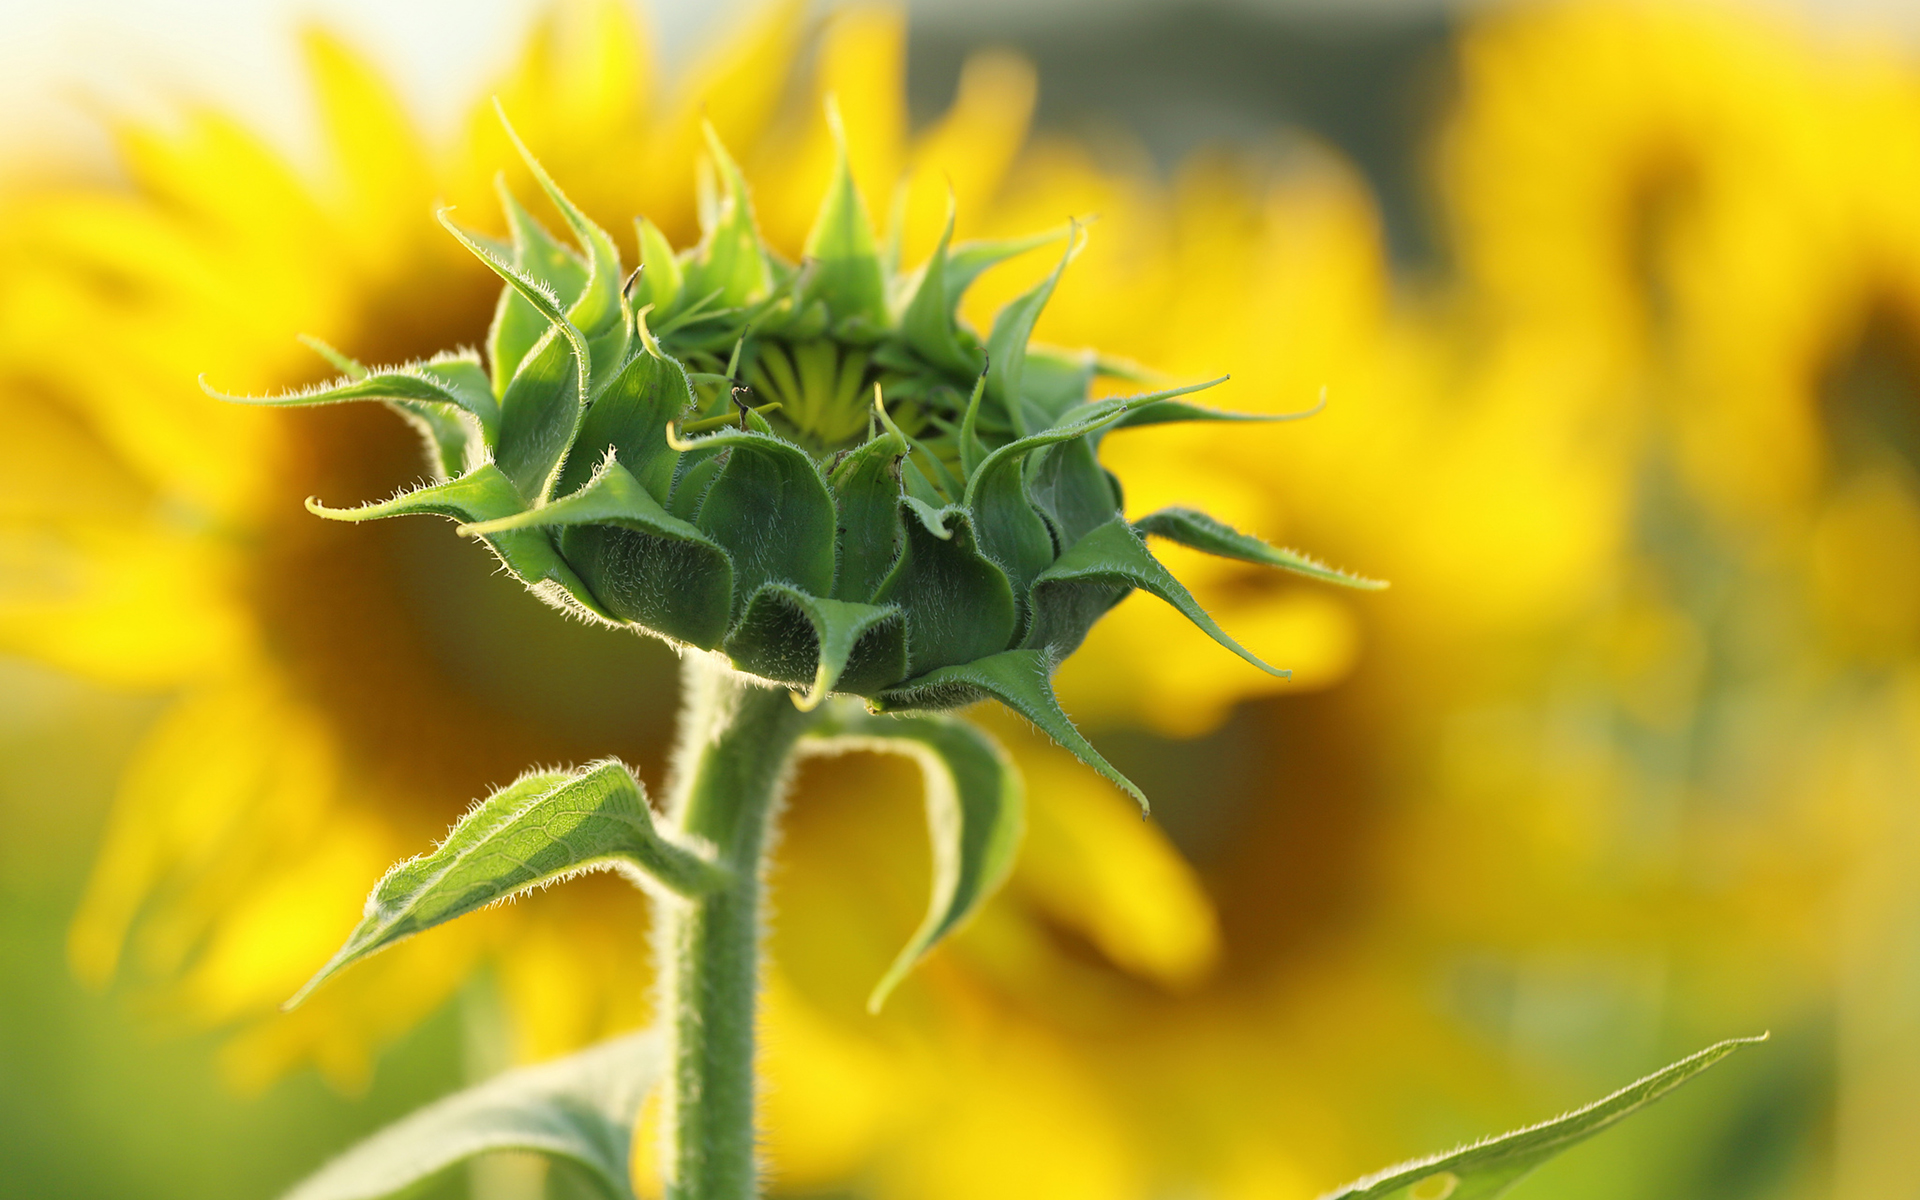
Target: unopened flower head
{"points": [[816, 469]]}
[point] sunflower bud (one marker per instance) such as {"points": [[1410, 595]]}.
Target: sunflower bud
{"points": [[817, 469]]}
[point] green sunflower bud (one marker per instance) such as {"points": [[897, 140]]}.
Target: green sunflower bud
{"points": [[816, 469]]}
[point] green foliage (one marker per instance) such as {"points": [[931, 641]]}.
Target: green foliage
{"points": [[1201, 532], [580, 1109], [975, 814], [543, 826], [1491, 1168]]}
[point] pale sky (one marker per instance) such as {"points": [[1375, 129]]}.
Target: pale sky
{"points": [[56, 58]]}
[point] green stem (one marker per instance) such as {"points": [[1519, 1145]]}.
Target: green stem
{"points": [[736, 739]]}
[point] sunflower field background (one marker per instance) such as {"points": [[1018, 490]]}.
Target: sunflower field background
{"points": [[1617, 309]]}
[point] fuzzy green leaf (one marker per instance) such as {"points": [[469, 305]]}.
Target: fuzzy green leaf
{"points": [[1019, 680], [1488, 1169], [544, 826], [1201, 532], [454, 381], [967, 261], [481, 495], [959, 605], [975, 814], [822, 645], [845, 271], [1111, 558], [866, 494], [1007, 344], [661, 282], [771, 509], [542, 296], [630, 415], [645, 564], [580, 1109], [598, 306], [539, 415], [537, 254], [729, 262], [927, 324], [1169, 412]]}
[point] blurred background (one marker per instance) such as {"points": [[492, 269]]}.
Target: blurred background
{"points": [[1618, 310]]}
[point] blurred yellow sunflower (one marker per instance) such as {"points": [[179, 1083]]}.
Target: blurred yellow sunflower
{"points": [[333, 701]]}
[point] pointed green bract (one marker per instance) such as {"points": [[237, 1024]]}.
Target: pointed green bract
{"points": [[772, 511], [630, 416], [1019, 680], [794, 638], [544, 825], [1201, 532], [866, 496], [927, 325], [975, 816], [969, 260], [661, 281], [844, 271], [484, 494], [730, 263], [641, 562], [580, 1109], [1112, 558], [1488, 1169], [959, 605], [454, 381], [598, 309], [539, 415], [517, 323], [1007, 344]]}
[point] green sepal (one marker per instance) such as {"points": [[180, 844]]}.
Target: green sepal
{"points": [[1198, 531], [539, 415], [1054, 383], [770, 507], [729, 261], [447, 399], [485, 494], [600, 312], [969, 260], [1095, 572], [1491, 1168], [661, 281], [866, 491], [1019, 680], [531, 421], [959, 605], [537, 254], [975, 816], [819, 644], [453, 380], [1169, 412], [630, 415], [580, 1109], [844, 270], [643, 563], [927, 324], [1065, 485], [1007, 344], [541, 827]]}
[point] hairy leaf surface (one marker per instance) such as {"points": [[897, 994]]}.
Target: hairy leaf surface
{"points": [[580, 1109], [1490, 1168], [542, 826], [1201, 532], [975, 816]]}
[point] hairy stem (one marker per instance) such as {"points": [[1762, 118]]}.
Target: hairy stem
{"points": [[736, 740]]}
